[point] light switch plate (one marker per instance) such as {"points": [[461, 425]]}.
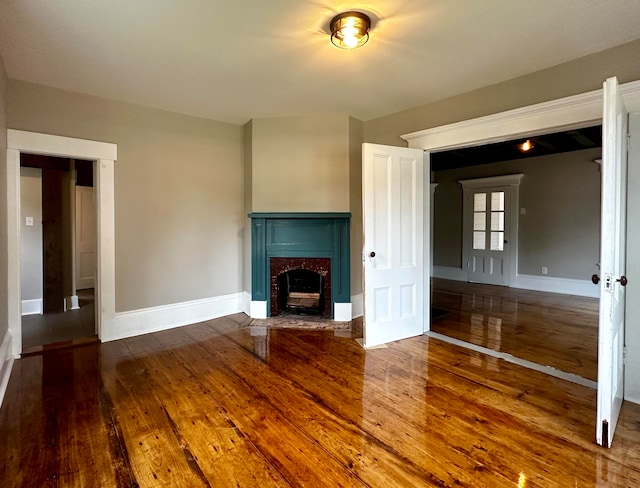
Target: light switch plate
{"points": [[29, 222]]}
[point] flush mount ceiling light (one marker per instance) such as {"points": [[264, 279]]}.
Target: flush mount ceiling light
{"points": [[350, 30]]}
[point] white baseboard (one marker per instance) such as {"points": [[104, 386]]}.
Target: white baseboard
{"points": [[154, 319], [632, 399], [258, 310], [32, 307], [71, 303], [246, 302], [449, 273], [567, 286], [357, 306], [342, 312], [6, 364]]}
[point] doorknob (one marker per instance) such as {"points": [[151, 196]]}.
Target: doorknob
{"points": [[595, 279], [623, 280], [372, 254]]}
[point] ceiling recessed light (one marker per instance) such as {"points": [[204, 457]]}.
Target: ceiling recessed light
{"points": [[350, 30], [526, 146]]}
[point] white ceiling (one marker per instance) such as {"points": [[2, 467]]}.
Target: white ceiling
{"points": [[236, 60]]}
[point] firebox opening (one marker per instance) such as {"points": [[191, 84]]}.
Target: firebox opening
{"points": [[300, 291]]}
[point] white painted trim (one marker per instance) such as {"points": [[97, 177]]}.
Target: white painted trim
{"points": [[556, 115], [105, 155], [70, 147], [550, 284], [154, 319], [449, 273], [32, 307], [551, 371], [6, 364], [357, 306], [246, 302], [491, 181], [567, 286], [342, 312], [258, 310], [71, 303]]}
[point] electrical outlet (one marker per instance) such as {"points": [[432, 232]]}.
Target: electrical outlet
{"points": [[544, 270]]}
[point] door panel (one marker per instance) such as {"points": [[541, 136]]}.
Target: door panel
{"points": [[487, 218], [393, 209], [612, 263], [85, 237]]}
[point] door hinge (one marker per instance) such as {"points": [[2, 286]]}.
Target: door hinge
{"points": [[624, 355]]}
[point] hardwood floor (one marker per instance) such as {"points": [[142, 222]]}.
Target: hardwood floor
{"points": [[212, 405], [551, 329], [61, 328]]}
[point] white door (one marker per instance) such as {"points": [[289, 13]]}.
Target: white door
{"points": [[612, 263], [487, 234], [395, 285], [85, 238]]}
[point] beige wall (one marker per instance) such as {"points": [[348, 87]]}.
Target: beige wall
{"points": [[632, 336], [178, 192], [31, 237], [356, 136], [300, 164], [561, 227], [578, 76], [4, 269], [248, 198]]}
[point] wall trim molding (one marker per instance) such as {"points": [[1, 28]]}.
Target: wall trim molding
{"points": [[550, 284], [154, 319], [6, 364], [562, 114], [342, 312], [104, 155], [449, 273], [246, 302], [32, 307], [566, 286]]}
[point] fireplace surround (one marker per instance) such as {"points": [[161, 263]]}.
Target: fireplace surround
{"points": [[317, 242]]}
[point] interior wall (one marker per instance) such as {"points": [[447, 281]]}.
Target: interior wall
{"points": [[31, 236], [300, 164], [356, 137], [632, 333], [247, 155], [178, 191], [4, 264], [572, 78], [561, 227]]}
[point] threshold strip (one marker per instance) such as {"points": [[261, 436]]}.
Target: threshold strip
{"points": [[556, 373]]}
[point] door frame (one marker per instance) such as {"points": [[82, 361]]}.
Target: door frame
{"points": [[104, 156]]}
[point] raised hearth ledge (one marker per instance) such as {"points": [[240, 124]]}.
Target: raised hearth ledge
{"points": [[341, 311]]}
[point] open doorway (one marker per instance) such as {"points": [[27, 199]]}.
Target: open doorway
{"points": [[550, 314], [104, 156], [58, 251]]}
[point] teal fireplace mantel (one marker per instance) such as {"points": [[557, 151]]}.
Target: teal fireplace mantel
{"points": [[300, 235]]}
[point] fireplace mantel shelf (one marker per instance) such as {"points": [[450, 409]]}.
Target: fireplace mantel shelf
{"points": [[299, 215]]}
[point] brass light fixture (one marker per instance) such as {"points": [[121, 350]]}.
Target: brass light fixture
{"points": [[350, 30]]}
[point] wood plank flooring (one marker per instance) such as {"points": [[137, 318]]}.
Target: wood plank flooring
{"points": [[212, 405], [551, 329]]}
